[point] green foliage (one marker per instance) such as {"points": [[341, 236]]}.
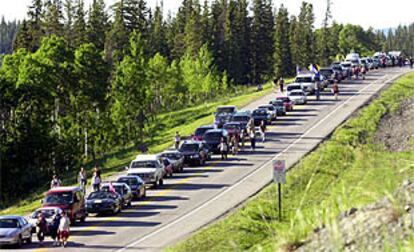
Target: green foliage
{"points": [[8, 31], [282, 56], [349, 170]]}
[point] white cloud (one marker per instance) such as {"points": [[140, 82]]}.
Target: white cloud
{"points": [[375, 13]]}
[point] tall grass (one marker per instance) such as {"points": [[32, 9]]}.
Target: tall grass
{"points": [[349, 170]]}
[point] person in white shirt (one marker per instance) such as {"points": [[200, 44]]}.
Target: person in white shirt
{"points": [[56, 182], [64, 229], [177, 140]]}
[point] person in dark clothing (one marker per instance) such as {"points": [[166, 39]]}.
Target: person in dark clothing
{"points": [[253, 140], [53, 229], [281, 84], [41, 229]]}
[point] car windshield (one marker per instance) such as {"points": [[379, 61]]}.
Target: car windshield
{"points": [[201, 131], [355, 61], [267, 107], [101, 195], [8, 223], [59, 198], [277, 103], [326, 72], [303, 79], [296, 94], [289, 88], [346, 65], [128, 181], [284, 99], [189, 147], [231, 126], [144, 164], [172, 156], [240, 119], [213, 136], [118, 189], [47, 213], [225, 110], [259, 112]]}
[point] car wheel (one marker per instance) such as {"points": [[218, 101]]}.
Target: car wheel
{"points": [[181, 168], [29, 240], [83, 218], [145, 194], [19, 242], [161, 182], [129, 203]]}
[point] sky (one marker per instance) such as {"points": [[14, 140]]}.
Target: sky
{"points": [[379, 14]]}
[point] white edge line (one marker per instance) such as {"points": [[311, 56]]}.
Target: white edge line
{"points": [[251, 174]]}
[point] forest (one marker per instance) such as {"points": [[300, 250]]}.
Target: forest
{"points": [[86, 80]]}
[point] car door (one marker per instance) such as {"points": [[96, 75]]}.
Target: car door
{"points": [[25, 229]]}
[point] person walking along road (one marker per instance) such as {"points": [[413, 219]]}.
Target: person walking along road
{"points": [[317, 88], [56, 182], [223, 149], [96, 181], [335, 90], [253, 140], [177, 139], [82, 179], [263, 130], [53, 229], [41, 228], [64, 229], [281, 84]]}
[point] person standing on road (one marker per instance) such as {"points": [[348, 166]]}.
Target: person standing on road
{"points": [[96, 181], [82, 179], [53, 229], [64, 229], [275, 84], [281, 84], [56, 182], [223, 149], [411, 62], [235, 143], [177, 139], [317, 88], [41, 228], [253, 140], [242, 136], [263, 130], [335, 90]]}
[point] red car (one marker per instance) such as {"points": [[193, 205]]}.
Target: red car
{"points": [[233, 128], [198, 135], [286, 101], [69, 199]]}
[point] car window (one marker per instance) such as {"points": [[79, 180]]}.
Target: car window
{"points": [[259, 112], [8, 223], [129, 181], [303, 79], [213, 136], [296, 94], [59, 198], [201, 131], [189, 147], [144, 164], [225, 110], [292, 87]]}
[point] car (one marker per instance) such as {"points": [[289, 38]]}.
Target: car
{"points": [[271, 109], [14, 230], [122, 189], [329, 74], [213, 138], [293, 86], [298, 97], [223, 114], [195, 152], [242, 117], [149, 168], [279, 106], [233, 129], [176, 158], [286, 101], [340, 72], [48, 213], [103, 202], [260, 115], [307, 81], [70, 199], [198, 134], [364, 63], [136, 184], [348, 68]]}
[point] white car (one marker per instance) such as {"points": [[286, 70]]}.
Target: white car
{"points": [[48, 213], [149, 168], [298, 96]]}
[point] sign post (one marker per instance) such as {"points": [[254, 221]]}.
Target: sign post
{"points": [[279, 177]]}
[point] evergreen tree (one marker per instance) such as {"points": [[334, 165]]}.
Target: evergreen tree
{"points": [[117, 37], [218, 30], [283, 57], [192, 30], [325, 50], [158, 37], [79, 25], [98, 24], [304, 39], [35, 25], [262, 41], [69, 13], [136, 16], [53, 18]]}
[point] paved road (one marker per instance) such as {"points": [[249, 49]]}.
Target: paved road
{"points": [[200, 195]]}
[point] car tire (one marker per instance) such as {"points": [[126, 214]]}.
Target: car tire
{"points": [[19, 242], [161, 182], [129, 204], [29, 240], [83, 219]]}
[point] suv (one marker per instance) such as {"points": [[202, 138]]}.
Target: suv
{"points": [[69, 199], [260, 115], [329, 74], [242, 117], [223, 114], [213, 139], [149, 168], [194, 152], [198, 134], [307, 81]]}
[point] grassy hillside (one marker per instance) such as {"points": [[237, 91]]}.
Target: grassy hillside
{"points": [[349, 170], [185, 121]]}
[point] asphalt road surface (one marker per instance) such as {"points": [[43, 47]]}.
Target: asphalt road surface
{"points": [[198, 196]]}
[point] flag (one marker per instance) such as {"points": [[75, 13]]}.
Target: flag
{"points": [[111, 188], [313, 68]]}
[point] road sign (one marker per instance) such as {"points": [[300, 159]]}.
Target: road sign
{"points": [[279, 170]]}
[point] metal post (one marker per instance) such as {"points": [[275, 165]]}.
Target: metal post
{"points": [[280, 201]]}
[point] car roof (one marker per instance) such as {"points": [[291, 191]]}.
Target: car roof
{"points": [[147, 157], [305, 75], [48, 207], [64, 189], [297, 91], [243, 113], [206, 126], [193, 141], [265, 105], [127, 176], [233, 123], [10, 217], [170, 152], [325, 68], [114, 183], [228, 106]]}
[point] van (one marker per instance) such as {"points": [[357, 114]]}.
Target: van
{"points": [[70, 199], [149, 168]]}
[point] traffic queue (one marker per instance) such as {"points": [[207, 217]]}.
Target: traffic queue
{"points": [[232, 132]]}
